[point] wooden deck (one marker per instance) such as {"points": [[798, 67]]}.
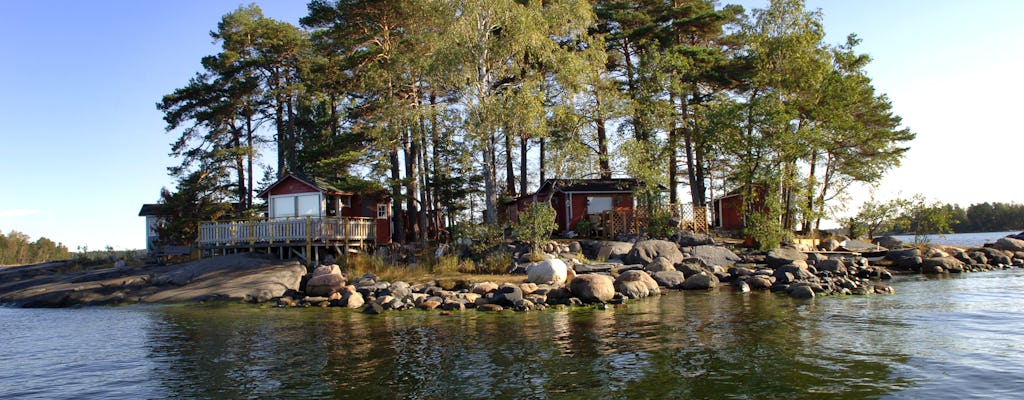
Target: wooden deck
{"points": [[304, 237]]}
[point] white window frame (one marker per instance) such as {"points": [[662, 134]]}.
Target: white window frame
{"points": [[291, 203]]}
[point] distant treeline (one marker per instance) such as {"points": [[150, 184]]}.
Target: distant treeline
{"points": [[987, 217], [16, 248]]}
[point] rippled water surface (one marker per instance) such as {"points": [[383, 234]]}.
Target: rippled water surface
{"points": [[936, 338]]}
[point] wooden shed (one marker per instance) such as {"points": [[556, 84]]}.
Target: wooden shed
{"points": [[576, 199]]}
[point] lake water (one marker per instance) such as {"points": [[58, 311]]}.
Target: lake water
{"points": [[956, 337], [960, 239]]}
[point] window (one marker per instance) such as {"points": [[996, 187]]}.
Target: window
{"points": [[382, 211], [308, 205], [598, 204], [295, 206], [283, 206]]}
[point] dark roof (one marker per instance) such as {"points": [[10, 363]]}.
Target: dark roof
{"points": [[150, 209], [614, 185], [315, 183], [352, 185]]}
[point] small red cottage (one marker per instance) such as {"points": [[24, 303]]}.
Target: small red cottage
{"points": [[576, 199], [729, 209], [293, 196]]}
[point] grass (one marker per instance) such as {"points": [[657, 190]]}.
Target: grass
{"points": [[449, 270]]}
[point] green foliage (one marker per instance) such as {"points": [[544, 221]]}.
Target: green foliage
{"points": [[921, 218], [535, 223], [198, 199], [660, 223], [419, 95], [477, 239], [875, 217], [17, 248], [765, 226]]}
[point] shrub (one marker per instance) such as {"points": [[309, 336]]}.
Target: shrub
{"points": [[536, 223]]}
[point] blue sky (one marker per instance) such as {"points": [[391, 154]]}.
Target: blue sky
{"points": [[84, 146]]}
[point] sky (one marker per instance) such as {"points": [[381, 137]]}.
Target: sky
{"points": [[84, 146]]}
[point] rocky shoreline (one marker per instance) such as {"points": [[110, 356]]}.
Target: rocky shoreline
{"points": [[561, 277]]}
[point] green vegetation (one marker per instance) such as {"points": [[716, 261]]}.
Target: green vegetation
{"points": [[536, 223], [920, 217], [450, 104], [17, 248]]}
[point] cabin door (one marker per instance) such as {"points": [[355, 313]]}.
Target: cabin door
{"points": [[383, 221]]}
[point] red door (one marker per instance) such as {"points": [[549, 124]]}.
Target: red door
{"points": [[383, 223]]}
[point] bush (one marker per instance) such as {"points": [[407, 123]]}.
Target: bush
{"points": [[660, 223], [477, 239], [535, 223]]}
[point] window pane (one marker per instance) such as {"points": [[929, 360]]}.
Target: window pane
{"points": [[283, 206], [598, 204], [309, 205]]}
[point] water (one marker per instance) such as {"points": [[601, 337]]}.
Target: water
{"points": [[952, 337], [960, 239]]}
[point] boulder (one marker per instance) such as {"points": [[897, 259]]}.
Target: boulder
{"points": [[797, 270], [888, 242], [660, 264], [636, 284], [899, 254], [995, 256], [691, 239], [829, 245], [692, 268], [323, 285], [715, 255], [593, 287], [610, 250], [669, 279], [935, 265], [551, 272], [1009, 244], [645, 251], [453, 305], [353, 300], [483, 288], [801, 292], [325, 270], [834, 266], [760, 282], [489, 307], [784, 255], [507, 295], [701, 281]]}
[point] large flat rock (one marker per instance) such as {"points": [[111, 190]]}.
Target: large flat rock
{"points": [[243, 277]]}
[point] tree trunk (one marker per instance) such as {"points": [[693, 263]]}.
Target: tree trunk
{"points": [[490, 186], [540, 161], [603, 163], [435, 165], [411, 149], [398, 216], [251, 152], [510, 173], [282, 139], [523, 149]]}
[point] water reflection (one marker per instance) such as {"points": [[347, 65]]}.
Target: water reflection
{"points": [[726, 345]]}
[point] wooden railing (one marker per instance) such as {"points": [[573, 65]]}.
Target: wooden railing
{"points": [[303, 230], [615, 222]]}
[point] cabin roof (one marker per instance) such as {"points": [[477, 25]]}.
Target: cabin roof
{"points": [[150, 209], [317, 184], [352, 186], [613, 185]]}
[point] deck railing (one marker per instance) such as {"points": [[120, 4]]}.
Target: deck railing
{"points": [[316, 230]]}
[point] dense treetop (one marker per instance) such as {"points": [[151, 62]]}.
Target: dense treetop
{"points": [[454, 106]]}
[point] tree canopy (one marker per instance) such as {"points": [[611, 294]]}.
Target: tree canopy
{"points": [[458, 105]]}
